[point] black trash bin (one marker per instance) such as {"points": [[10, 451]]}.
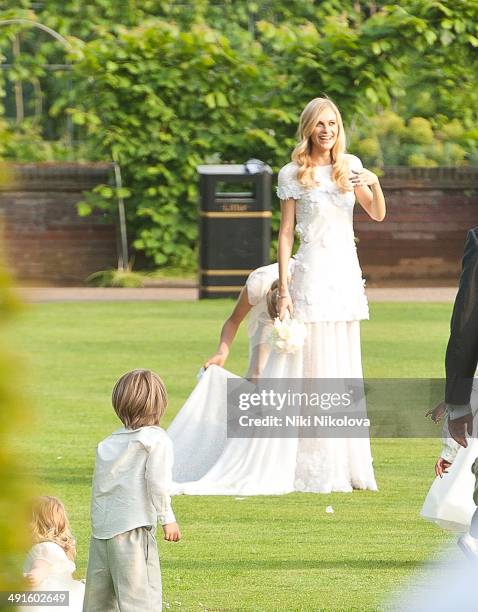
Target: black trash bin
{"points": [[234, 226]]}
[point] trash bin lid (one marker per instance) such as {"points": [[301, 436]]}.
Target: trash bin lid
{"points": [[222, 169]]}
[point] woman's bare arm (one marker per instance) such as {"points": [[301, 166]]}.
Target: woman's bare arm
{"points": [[369, 193], [286, 242], [229, 330]]}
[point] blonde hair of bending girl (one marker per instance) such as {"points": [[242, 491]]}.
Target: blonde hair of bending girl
{"points": [[272, 300], [301, 154], [50, 524]]}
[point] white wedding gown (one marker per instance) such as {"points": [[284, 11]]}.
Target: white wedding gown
{"points": [[328, 294]]}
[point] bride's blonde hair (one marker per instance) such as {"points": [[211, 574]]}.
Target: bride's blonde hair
{"points": [[302, 151], [50, 524]]}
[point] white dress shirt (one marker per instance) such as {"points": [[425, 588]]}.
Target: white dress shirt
{"points": [[131, 482]]}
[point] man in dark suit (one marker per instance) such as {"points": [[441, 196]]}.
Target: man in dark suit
{"points": [[460, 365], [462, 350]]}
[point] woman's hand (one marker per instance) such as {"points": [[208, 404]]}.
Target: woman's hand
{"points": [[369, 193], [285, 304], [441, 466], [218, 359], [363, 177]]}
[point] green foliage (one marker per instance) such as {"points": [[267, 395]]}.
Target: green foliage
{"points": [[24, 142], [128, 278], [419, 131], [161, 87], [166, 101], [388, 140], [15, 490], [116, 278]]}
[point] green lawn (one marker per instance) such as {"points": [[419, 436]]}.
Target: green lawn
{"points": [[260, 553]]}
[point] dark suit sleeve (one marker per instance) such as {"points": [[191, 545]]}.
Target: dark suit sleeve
{"points": [[462, 350]]}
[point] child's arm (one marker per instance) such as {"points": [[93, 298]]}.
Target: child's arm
{"points": [[159, 467], [441, 467], [448, 452], [39, 571], [450, 446], [229, 330], [171, 532]]}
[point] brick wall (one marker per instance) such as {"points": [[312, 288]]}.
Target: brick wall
{"points": [[45, 241], [420, 242]]}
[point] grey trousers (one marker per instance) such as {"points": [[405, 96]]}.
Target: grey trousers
{"points": [[124, 574]]}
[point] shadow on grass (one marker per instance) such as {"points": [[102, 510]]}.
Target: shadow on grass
{"points": [[292, 564], [66, 476]]}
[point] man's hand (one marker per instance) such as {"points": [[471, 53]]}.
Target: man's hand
{"points": [[436, 414], [458, 428], [441, 467], [171, 532]]}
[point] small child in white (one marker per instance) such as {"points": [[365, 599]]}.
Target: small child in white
{"points": [[131, 484], [50, 563]]}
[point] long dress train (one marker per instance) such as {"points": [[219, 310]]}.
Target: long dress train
{"points": [[206, 462]]}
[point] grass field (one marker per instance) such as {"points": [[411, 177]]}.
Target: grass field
{"points": [[259, 553]]}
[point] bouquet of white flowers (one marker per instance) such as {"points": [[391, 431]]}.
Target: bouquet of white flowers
{"points": [[288, 335]]}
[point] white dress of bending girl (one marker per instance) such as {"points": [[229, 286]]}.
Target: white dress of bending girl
{"points": [[205, 461]]}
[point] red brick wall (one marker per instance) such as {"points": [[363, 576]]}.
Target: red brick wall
{"points": [[420, 242], [45, 241]]}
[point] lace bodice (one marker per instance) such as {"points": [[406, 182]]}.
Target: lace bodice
{"points": [[327, 282]]}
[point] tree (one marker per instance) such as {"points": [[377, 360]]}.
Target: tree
{"points": [[160, 89]]}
